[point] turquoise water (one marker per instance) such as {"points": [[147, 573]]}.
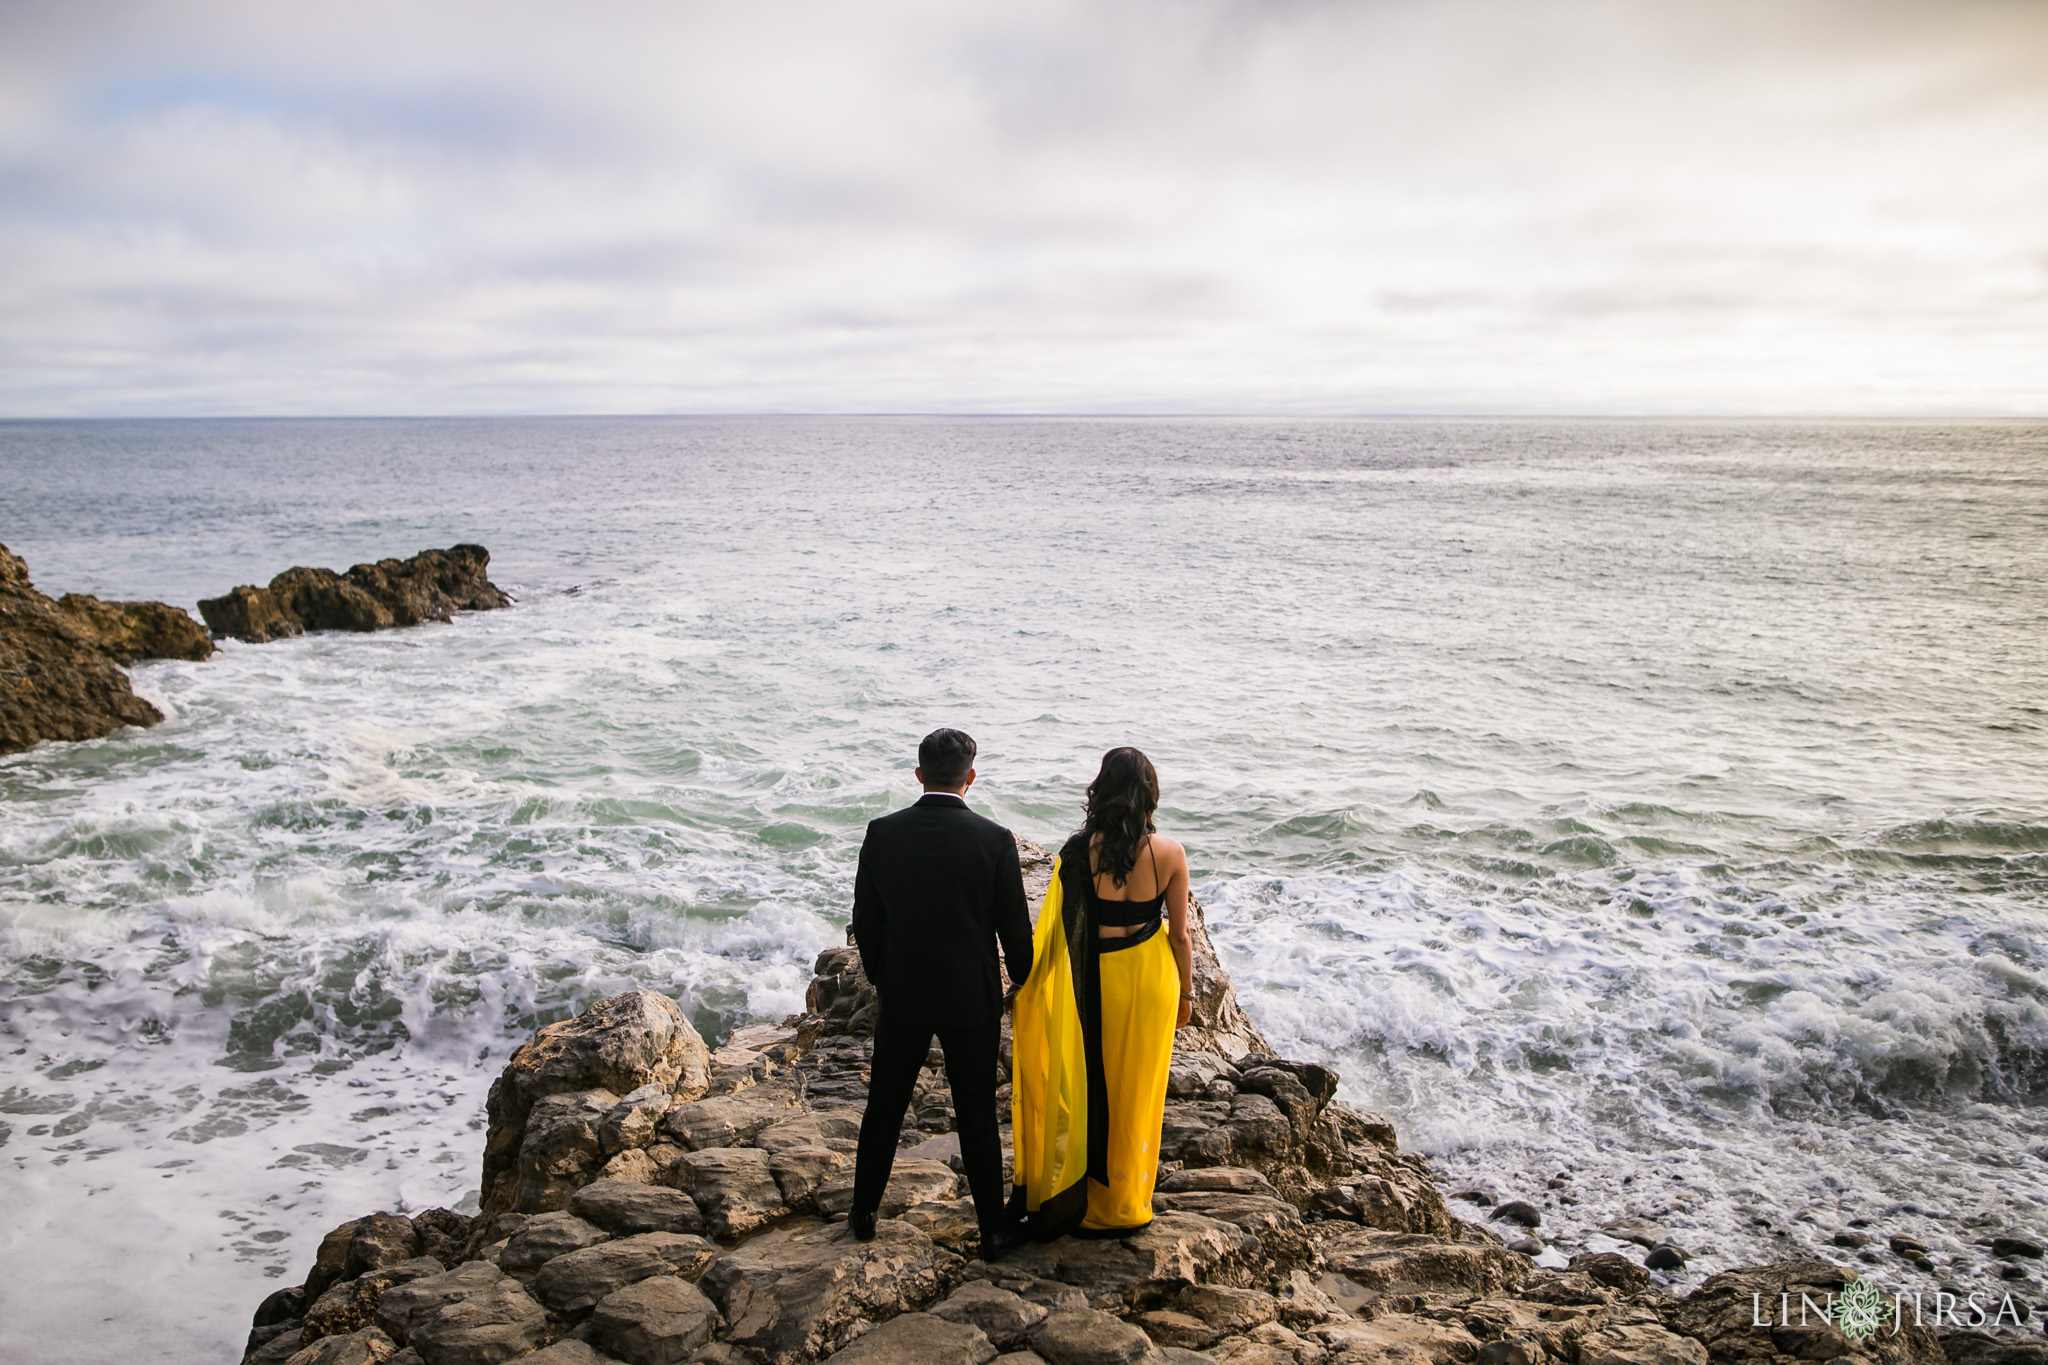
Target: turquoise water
{"points": [[1661, 804]]}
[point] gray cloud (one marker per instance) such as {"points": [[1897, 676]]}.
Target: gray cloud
{"points": [[1524, 205]]}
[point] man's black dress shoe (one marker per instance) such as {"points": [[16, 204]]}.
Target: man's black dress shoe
{"points": [[996, 1245], [863, 1225]]}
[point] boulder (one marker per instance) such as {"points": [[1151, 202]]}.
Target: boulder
{"points": [[1216, 1180], [1411, 1263], [1171, 1327], [910, 1183], [56, 682], [1611, 1270], [464, 1317], [1303, 1302], [1513, 1325], [635, 1121], [541, 1239], [1274, 1221], [1720, 1315], [799, 1171], [920, 1339], [129, 632], [1006, 1319], [277, 1350], [1522, 1213], [1641, 1345], [1087, 1336], [799, 1293], [731, 1120], [658, 1321], [442, 1234], [625, 1207], [1565, 1289], [1400, 1339], [366, 1347], [833, 1132], [1193, 1075], [613, 1048], [734, 1187], [431, 586], [1177, 1248], [330, 1261], [637, 1165], [1228, 1311], [567, 1351], [1976, 1348], [417, 1300], [572, 1285], [351, 1305]]}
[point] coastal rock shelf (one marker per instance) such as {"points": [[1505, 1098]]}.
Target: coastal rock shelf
{"points": [[60, 675], [431, 586], [647, 1199]]}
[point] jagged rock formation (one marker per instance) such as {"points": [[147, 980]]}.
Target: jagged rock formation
{"points": [[431, 586], [650, 1202], [129, 632], [58, 659]]}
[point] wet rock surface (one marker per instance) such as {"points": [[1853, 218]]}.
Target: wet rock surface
{"points": [[60, 675], [431, 586], [649, 1200]]}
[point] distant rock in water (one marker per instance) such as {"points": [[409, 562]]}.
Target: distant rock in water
{"points": [[58, 673], [127, 632], [431, 586]]}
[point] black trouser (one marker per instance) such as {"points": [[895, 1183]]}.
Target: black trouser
{"points": [[901, 1046]]}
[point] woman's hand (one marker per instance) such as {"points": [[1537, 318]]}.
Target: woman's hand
{"points": [[1187, 1012]]}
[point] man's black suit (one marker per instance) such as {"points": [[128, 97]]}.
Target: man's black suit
{"points": [[938, 887]]}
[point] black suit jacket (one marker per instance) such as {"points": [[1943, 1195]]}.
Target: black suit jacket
{"points": [[938, 886]]}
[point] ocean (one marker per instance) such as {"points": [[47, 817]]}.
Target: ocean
{"points": [[1651, 819]]}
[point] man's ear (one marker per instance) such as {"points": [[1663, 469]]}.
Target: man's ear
{"points": [[918, 773], [970, 780]]}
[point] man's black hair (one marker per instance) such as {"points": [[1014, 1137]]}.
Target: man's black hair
{"points": [[946, 755]]}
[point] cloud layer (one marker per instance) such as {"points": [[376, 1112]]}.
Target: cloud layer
{"points": [[1399, 205]]}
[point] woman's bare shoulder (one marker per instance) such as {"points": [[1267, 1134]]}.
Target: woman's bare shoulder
{"points": [[1168, 851]]}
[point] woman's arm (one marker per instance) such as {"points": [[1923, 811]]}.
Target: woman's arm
{"points": [[1173, 861]]}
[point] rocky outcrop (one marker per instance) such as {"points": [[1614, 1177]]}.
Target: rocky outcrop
{"points": [[579, 1093], [431, 586], [129, 632], [650, 1202], [59, 674]]}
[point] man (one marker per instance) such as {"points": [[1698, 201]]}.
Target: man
{"points": [[938, 886]]}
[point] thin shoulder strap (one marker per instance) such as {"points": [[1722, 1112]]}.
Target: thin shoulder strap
{"points": [[1153, 855]]}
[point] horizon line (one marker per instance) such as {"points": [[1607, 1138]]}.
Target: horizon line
{"points": [[1400, 415]]}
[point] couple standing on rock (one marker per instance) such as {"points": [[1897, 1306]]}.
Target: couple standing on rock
{"points": [[1098, 989]]}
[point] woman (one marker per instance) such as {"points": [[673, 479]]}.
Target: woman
{"points": [[1093, 1032]]}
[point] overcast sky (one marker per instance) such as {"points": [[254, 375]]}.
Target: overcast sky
{"points": [[1186, 206]]}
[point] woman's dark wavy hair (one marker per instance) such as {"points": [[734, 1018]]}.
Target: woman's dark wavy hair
{"points": [[1120, 803]]}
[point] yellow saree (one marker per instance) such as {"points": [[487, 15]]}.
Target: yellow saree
{"points": [[1091, 1041]]}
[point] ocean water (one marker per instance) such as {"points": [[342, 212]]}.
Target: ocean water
{"points": [[1663, 807]]}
